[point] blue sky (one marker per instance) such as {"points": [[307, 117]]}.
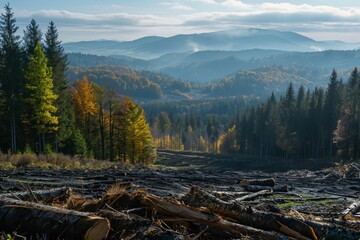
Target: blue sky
{"points": [[130, 19]]}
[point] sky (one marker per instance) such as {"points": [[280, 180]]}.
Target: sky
{"points": [[123, 20]]}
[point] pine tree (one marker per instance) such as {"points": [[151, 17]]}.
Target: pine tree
{"points": [[57, 60], [32, 36], [39, 87], [332, 110], [348, 127], [11, 75]]}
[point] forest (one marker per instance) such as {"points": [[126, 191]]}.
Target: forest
{"points": [[301, 124], [48, 106], [41, 112]]}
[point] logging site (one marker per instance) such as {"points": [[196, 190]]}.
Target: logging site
{"points": [[192, 201], [180, 120]]}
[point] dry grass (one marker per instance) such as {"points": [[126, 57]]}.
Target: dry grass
{"points": [[54, 161]]}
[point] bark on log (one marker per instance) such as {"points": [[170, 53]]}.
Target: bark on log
{"points": [[29, 219], [40, 195], [259, 182], [183, 212]]}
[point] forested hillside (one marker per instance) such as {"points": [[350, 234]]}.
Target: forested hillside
{"points": [[259, 82], [41, 112], [322, 123]]}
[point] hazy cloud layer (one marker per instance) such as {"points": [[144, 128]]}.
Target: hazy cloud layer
{"points": [[304, 18]]}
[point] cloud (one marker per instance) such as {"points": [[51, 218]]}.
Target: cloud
{"points": [[236, 4], [181, 7], [177, 6], [305, 18], [290, 16], [206, 1]]}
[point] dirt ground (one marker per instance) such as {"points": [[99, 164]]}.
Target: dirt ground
{"points": [[313, 194]]}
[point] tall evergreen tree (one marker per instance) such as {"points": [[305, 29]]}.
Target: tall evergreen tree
{"points": [[41, 97], [332, 110], [348, 127], [57, 60], [11, 75], [32, 36]]}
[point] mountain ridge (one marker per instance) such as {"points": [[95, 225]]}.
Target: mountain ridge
{"points": [[152, 47]]}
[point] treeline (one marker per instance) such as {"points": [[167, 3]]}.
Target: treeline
{"points": [[41, 112], [302, 124], [193, 124]]}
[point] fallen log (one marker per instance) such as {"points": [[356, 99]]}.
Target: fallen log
{"points": [[40, 195], [252, 196], [256, 188], [29, 219], [259, 182], [125, 226], [249, 216], [353, 208], [271, 221], [175, 209]]}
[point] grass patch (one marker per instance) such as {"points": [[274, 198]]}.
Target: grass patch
{"points": [[290, 204], [54, 161]]}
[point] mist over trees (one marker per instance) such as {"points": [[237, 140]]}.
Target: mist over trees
{"points": [[42, 112]]}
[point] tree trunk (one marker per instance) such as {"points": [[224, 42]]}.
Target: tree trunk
{"points": [[29, 219], [260, 182], [190, 214], [40, 195]]}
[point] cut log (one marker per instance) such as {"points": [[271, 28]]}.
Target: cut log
{"points": [[259, 182], [29, 219], [175, 209], [353, 208], [252, 196], [256, 188], [40, 195]]}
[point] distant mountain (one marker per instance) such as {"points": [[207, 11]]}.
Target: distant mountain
{"points": [[213, 65], [230, 40]]}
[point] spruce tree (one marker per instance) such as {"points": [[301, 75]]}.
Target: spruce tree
{"points": [[11, 76], [32, 36], [332, 110], [57, 60], [39, 87]]}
